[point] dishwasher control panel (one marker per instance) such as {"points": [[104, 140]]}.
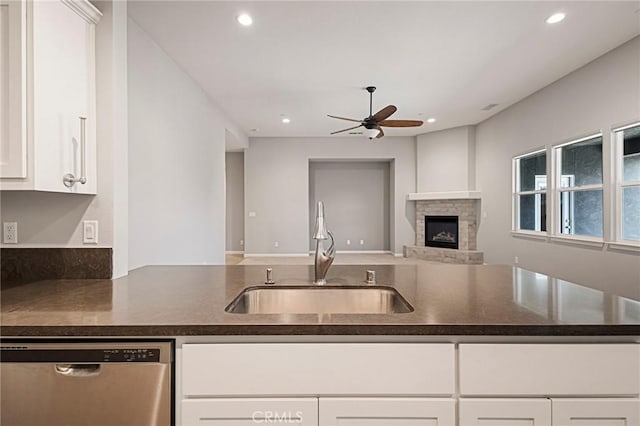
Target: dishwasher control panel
{"points": [[98, 355]]}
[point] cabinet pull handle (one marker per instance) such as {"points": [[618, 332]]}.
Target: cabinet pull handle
{"points": [[69, 179]]}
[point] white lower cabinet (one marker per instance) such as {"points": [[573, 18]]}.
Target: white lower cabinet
{"points": [[596, 412], [387, 412], [319, 411], [250, 411], [505, 412], [409, 384]]}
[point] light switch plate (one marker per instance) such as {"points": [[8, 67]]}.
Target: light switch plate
{"points": [[90, 232]]}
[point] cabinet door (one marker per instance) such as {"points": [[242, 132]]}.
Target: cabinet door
{"points": [[596, 412], [505, 412], [63, 84], [13, 143], [387, 412], [250, 411]]}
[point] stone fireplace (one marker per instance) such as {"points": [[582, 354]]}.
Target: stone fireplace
{"points": [[465, 208]]}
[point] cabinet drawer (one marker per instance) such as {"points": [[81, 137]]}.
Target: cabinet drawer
{"points": [[250, 411], [505, 412], [605, 412], [318, 369], [549, 369], [387, 412]]}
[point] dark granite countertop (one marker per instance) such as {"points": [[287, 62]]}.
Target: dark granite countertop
{"points": [[449, 300]]}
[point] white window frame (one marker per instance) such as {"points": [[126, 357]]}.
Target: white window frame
{"points": [[557, 190], [516, 193], [620, 183]]}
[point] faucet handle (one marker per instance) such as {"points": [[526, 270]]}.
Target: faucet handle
{"points": [[269, 280]]}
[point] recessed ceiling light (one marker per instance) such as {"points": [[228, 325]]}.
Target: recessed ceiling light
{"points": [[245, 19], [555, 18], [431, 120], [285, 120]]}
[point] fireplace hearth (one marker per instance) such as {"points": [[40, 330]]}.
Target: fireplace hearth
{"points": [[441, 231]]}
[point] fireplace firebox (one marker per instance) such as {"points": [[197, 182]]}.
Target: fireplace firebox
{"points": [[441, 231]]}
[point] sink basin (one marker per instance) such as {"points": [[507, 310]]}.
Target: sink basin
{"points": [[308, 299]]}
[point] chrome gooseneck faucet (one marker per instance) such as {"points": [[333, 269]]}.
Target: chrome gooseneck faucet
{"points": [[324, 258]]}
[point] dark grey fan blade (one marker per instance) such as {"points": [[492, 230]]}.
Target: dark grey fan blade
{"points": [[343, 118], [344, 130]]}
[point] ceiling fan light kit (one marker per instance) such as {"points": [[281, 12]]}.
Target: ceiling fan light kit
{"points": [[374, 122], [371, 133]]}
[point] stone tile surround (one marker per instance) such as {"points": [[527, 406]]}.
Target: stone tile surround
{"points": [[468, 211]]}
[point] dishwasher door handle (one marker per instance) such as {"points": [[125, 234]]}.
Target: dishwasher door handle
{"points": [[78, 370]]}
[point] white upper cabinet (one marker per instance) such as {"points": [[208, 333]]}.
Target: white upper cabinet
{"points": [[13, 137], [48, 64]]}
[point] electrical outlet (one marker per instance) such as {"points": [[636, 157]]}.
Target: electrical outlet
{"points": [[90, 232], [10, 232], [516, 260], [252, 214], [241, 242], [361, 242], [348, 242], [276, 244]]}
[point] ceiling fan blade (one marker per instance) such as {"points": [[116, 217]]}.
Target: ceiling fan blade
{"points": [[384, 113], [343, 118], [400, 123], [381, 134], [344, 130]]}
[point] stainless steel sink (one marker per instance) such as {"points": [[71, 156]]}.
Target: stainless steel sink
{"points": [[319, 300]]}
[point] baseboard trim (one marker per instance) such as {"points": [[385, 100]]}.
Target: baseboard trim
{"points": [[275, 255], [234, 252], [363, 252]]}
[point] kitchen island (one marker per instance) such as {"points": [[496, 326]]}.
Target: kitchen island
{"points": [[482, 342], [462, 300]]}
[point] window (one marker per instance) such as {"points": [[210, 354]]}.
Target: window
{"points": [[627, 141], [530, 192], [578, 179]]}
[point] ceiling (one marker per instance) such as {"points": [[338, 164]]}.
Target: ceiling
{"points": [[448, 60]]}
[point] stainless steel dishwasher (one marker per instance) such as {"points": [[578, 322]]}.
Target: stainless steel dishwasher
{"points": [[98, 384]]}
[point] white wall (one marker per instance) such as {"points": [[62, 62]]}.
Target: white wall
{"points": [[356, 199], [277, 188], [446, 160], [113, 142], [234, 166], [600, 95], [176, 162]]}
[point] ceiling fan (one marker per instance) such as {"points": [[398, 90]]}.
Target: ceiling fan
{"points": [[374, 122]]}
